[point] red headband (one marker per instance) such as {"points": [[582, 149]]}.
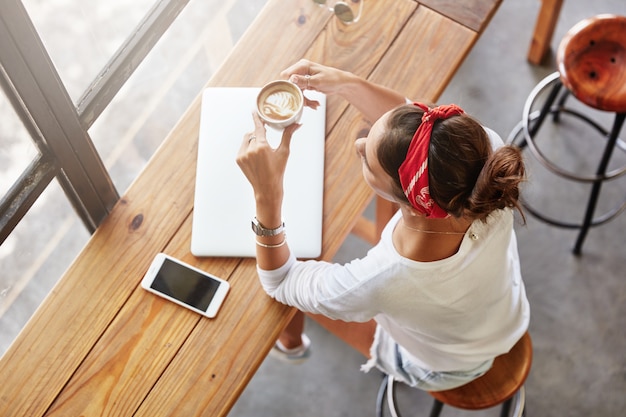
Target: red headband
{"points": [[414, 170]]}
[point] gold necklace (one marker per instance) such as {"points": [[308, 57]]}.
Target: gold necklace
{"points": [[472, 235]]}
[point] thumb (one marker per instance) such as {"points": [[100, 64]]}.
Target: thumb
{"points": [[285, 142]]}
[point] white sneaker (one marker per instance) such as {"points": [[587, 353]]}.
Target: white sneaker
{"points": [[294, 356]]}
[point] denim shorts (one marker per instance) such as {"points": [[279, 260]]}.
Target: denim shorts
{"points": [[387, 356]]}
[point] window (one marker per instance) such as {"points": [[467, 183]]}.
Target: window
{"points": [[73, 116]]}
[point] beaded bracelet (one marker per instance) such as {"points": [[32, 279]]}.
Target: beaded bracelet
{"points": [[278, 245]]}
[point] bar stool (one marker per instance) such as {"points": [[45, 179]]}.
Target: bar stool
{"points": [[502, 384], [591, 61]]}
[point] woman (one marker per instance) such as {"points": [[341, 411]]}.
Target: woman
{"points": [[441, 295]]}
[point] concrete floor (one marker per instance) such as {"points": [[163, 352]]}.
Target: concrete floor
{"points": [[578, 304]]}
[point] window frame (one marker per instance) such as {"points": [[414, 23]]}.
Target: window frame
{"points": [[59, 128]]}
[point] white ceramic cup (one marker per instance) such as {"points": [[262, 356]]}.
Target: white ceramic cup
{"points": [[280, 103]]}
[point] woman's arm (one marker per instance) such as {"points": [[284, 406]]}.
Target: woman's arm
{"points": [[371, 99], [264, 167]]}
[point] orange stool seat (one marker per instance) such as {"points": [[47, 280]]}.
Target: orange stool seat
{"points": [[591, 59], [501, 382], [498, 386]]}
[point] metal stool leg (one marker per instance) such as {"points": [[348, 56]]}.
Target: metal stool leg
{"points": [[561, 104], [380, 398], [595, 190], [506, 408], [546, 108], [387, 389], [435, 411], [544, 112], [520, 403], [391, 397]]}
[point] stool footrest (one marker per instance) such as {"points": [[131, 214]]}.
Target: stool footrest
{"points": [[531, 123]]}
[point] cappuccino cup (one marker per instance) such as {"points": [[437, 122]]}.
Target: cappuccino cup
{"points": [[280, 103]]}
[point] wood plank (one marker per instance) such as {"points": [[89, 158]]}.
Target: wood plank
{"points": [[139, 226], [442, 50], [104, 278], [191, 393], [428, 62], [282, 30], [358, 48], [90, 294], [120, 372], [134, 351], [343, 184], [366, 229], [200, 381], [547, 18], [475, 14]]}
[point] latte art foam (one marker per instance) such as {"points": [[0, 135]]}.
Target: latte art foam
{"points": [[280, 105]]}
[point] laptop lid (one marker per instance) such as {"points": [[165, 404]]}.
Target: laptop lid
{"points": [[224, 201]]}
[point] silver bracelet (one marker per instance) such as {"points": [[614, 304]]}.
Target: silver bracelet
{"points": [[278, 245]]}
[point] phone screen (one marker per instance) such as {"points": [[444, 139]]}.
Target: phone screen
{"points": [[186, 285]]}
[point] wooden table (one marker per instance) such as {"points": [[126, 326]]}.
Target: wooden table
{"points": [[101, 345], [547, 18]]}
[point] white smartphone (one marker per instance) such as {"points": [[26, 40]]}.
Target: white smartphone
{"points": [[185, 285]]}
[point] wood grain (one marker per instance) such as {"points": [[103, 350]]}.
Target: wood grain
{"points": [[501, 382], [421, 66], [90, 294], [474, 14], [100, 345], [359, 48], [136, 348], [547, 18]]}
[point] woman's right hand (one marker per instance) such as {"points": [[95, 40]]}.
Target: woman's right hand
{"points": [[310, 75], [372, 100]]}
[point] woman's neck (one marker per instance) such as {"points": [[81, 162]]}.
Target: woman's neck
{"points": [[426, 240]]}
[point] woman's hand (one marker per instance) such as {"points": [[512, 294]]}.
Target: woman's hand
{"points": [[264, 167], [312, 76], [373, 100]]}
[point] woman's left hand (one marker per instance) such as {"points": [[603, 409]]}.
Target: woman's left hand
{"points": [[264, 166]]}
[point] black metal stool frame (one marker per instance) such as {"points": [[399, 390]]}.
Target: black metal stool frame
{"points": [[387, 390], [537, 119]]}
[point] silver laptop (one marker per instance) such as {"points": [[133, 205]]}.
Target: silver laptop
{"points": [[224, 202]]}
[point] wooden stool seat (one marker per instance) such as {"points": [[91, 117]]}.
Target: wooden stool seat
{"points": [[498, 386], [501, 382], [591, 60]]}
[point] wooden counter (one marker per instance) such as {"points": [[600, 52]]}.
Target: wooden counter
{"points": [[101, 345]]}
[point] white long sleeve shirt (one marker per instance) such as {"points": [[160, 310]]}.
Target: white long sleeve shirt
{"points": [[449, 315]]}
